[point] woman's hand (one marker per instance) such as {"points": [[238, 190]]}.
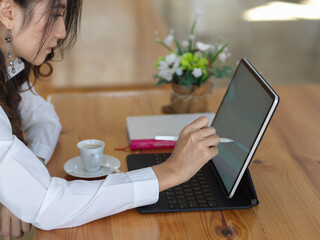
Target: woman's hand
{"points": [[197, 144], [8, 220]]}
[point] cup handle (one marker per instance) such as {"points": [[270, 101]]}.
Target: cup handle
{"points": [[94, 158]]}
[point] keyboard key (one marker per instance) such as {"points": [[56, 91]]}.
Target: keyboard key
{"points": [[191, 198], [173, 202], [205, 186], [208, 194], [186, 186], [183, 203], [212, 204], [201, 201], [200, 197], [181, 196], [179, 192], [171, 197], [174, 206], [193, 204], [189, 194], [170, 193], [203, 205], [211, 198]]}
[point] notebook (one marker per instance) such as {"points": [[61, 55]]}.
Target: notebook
{"points": [[225, 181], [158, 131]]}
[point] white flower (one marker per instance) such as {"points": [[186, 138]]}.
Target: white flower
{"points": [[179, 71], [156, 32], [168, 67], [163, 65], [204, 47], [198, 12], [169, 40], [185, 44], [192, 37], [197, 72], [164, 71], [219, 46], [171, 31], [223, 56], [171, 58]]}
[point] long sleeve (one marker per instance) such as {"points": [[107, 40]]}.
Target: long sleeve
{"points": [[40, 123], [27, 189]]}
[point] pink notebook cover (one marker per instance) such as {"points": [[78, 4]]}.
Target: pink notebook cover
{"points": [[151, 144]]}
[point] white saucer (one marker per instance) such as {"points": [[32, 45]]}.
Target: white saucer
{"points": [[74, 167]]}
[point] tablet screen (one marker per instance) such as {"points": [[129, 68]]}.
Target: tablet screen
{"points": [[241, 117]]}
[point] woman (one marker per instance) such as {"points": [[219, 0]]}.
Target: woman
{"points": [[30, 32]]}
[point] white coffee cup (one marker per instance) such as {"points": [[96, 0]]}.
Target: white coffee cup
{"points": [[91, 153]]}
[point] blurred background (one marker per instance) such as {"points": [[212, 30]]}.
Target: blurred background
{"points": [[117, 47]]}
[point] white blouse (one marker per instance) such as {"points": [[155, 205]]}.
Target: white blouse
{"points": [[29, 192]]}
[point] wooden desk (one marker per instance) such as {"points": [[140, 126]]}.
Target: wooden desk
{"points": [[285, 170]]}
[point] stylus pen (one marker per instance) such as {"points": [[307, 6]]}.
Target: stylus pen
{"points": [[175, 138]]}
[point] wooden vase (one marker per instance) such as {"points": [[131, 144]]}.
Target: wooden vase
{"points": [[188, 100]]}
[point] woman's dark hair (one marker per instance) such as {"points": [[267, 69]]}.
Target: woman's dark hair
{"points": [[10, 89]]}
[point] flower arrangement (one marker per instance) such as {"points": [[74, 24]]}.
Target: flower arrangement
{"points": [[191, 62]]}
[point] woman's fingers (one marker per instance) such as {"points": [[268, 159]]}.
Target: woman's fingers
{"points": [[10, 221], [26, 227], [199, 123], [211, 141], [16, 226], [5, 224], [205, 133]]}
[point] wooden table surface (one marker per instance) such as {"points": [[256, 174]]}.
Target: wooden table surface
{"points": [[285, 169]]}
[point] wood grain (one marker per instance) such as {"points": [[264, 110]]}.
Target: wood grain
{"points": [[241, 224], [97, 230], [284, 169]]}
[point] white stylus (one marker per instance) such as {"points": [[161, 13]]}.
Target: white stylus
{"points": [[175, 138], [226, 140], [166, 138]]}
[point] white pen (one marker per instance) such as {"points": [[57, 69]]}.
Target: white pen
{"points": [[175, 138], [166, 138], [226, 140]]}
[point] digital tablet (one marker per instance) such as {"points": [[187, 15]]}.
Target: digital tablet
{"points": [[242, 117]]}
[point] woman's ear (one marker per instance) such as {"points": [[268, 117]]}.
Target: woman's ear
{"points": [[6, 13]]}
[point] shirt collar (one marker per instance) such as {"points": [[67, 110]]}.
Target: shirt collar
{"points": [[18, 64]]}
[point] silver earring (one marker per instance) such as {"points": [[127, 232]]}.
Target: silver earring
{"points": [[9, 40]]}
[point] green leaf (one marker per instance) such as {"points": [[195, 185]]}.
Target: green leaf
{"points": [[161, 82], [221, 72], [203, 79], [217, 53], [193, 25], [178, 47]]}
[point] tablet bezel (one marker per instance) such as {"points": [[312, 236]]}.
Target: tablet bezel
{"points": [[261, 131]]}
